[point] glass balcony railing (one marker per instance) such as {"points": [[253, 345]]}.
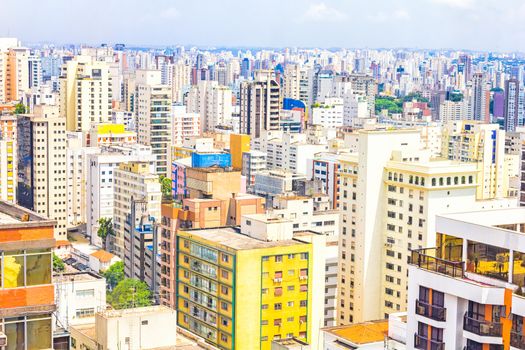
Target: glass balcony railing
{"points": [[482, 327], [434, 312], [424, 343], [426, 259], [517, 340]]}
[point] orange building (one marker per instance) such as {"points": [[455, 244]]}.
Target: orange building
{"points": [[26, 289], [197, 213]]}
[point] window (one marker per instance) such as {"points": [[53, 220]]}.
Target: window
{"points": [[224, 290], [290, 304], [303, 303], [290, 288], [303, 288], [85, 293], [224, 306], [225, 258], [304, 256], [277, 306], [278, 258], [87, 312], [278, 274], [278, 291], [225, 274], [277, 322]]}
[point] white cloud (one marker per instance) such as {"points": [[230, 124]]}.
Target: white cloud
{"points": [[397, 15], [320, 12], [170, 13], [461, 4]]}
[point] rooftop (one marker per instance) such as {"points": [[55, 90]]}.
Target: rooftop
{"points": [[142, 311], [102, 255], [12, 214], [361, 333], [76, 276], [232, 237]]}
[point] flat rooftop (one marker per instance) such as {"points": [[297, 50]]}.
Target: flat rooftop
{"points": [[79, 276], [361, 333], [12, 214], [232, 237], [143, 311]]}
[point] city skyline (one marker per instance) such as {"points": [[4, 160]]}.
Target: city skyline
{"points": [[479, 25]]}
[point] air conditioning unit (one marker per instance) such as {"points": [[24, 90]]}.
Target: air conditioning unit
{"points": [[3, 340], [277, 279]]}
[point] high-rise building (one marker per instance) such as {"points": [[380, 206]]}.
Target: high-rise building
{"points": [[8, 158], [100, 182], [260, 103], [153, 109], [480, 98], [514, 111], [86, 93], [34, 71], [26, 289], [452, 110], [133, 182], [466, 290], [42, 185], [390, 193], [212, 102], [180, 81], [483, 144], [239, 144], [278, 275]]}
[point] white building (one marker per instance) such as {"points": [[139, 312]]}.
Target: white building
{"points": [[100, 181], [185, 124], [78, 296], [329, 113], [467, 290]]}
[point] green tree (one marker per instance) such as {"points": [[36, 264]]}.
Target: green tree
{"points": [[130, 293], [58, 264], [20, 108], [105, 229], [165, 187], [114, 275]]}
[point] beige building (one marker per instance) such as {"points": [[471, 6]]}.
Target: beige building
{"points": [[153, 109], [213, 102], [390, 193], [134, 181], [85, 93], [42, 183], [483, 144]]}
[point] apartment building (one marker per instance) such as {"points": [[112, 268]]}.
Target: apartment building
{"points": [[79, 295], [290, 151], [76, 169], [86, 93], [14, 70], [154, 117], [42, 179], [8, 158], [100, 182], [483, 144], [389, 197], [212, 102], [466, 291], [260, 102], [212, 182], [329, 113], [136, 193], [325, 167], [109, 135], [253, 162], [278, 277], [185, 125], [26, 289], [239, 144]]}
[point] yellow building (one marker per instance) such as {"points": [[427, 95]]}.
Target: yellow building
{"points": [[8, 158], [110, 134], [239, 144], [241, 292]]}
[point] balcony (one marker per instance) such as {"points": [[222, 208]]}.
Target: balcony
{"points": [[421, 342], [426, 259], [434, 312], [482, 328], [517, 340]]}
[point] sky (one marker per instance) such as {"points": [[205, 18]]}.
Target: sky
{"points": [[488, 25]]}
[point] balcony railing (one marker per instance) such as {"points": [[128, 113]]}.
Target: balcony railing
{"points": [[517, 340], [426, 259], [434, 312], [421, 342], [481, 327]]}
